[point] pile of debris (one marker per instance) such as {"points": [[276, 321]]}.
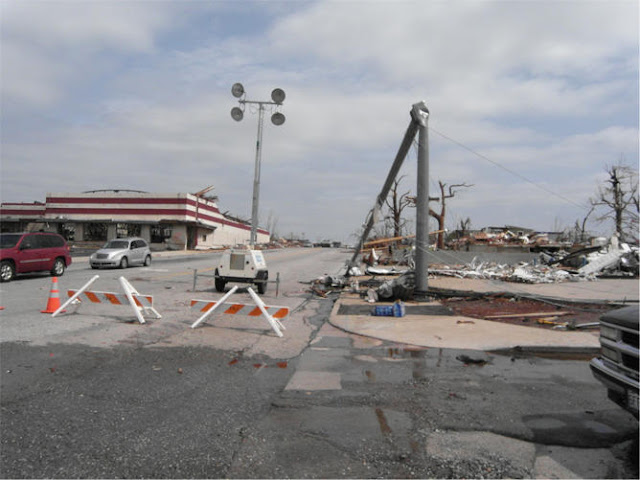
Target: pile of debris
{"points": [[505, 237], [612, 259], [583, 265], [586, 264], [619, 260], [523, 272]]}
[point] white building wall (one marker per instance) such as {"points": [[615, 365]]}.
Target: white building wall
{"points": [[182, 213]]}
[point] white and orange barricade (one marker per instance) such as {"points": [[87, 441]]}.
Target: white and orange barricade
{"points": [[139, 303], [272, 314]]}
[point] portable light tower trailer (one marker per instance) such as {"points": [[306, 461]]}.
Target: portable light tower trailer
{"points": [[242, 266]]}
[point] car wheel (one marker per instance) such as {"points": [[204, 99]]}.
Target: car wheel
{"points": [[147, 261], [124, 263], [7, 271], [262, 287], [220, 283], [58, 268]]}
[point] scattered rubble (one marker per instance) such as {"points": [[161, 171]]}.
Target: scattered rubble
{"points": [[523, 272], [584, 264], [400, 288], [528, 311]]}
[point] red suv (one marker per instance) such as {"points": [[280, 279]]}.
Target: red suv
{"points": [[32, 252]]}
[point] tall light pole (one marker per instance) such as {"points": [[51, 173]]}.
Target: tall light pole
{"points": [[237, 113]]}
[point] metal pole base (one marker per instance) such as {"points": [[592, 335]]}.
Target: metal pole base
{"points": [[422, 296]]}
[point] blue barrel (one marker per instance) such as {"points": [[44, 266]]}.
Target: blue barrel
{"points": [[383, 311], [398, 309], [395, 310]]}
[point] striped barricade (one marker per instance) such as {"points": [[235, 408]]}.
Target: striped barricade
{"points": [[241, 309], [141, 301], [272, 314]]}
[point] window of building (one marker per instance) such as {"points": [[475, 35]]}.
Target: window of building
{"points": [[67, 230], [128, 230], [159, 233], [96, 232]]}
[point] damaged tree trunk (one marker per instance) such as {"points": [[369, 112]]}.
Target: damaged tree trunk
{"points": [[440, 217], [396, 204]]}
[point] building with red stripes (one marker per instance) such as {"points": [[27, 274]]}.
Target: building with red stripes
{"points": [[178, 220]]}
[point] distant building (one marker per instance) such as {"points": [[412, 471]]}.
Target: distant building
{"points": [[166, 220]]}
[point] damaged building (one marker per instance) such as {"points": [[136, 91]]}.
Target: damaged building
{"points": [[507, 238], [166, 220]]}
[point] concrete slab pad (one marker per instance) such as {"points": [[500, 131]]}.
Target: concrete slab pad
{"points": [[351, 427], [449, 332], [618, 290], [323, 360], [310, 381]]}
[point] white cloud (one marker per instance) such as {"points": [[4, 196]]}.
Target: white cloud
{"points": [[547, 89], [46, 45]]}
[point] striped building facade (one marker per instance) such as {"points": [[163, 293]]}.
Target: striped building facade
{"points": [[177, 220]]}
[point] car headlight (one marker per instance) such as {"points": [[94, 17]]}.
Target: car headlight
{"points": [[609, 333]]}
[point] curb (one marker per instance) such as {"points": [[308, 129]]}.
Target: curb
{"points": [[515, 350]]}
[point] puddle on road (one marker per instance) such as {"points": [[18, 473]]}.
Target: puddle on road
{"points": [[574, 356]]}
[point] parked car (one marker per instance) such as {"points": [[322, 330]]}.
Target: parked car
{"points": [[122, 252], [617, 367], [32, 252]]}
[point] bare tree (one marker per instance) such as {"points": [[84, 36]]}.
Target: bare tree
{"points": [[581, 228], [440, 216], [272, 224], [464, 227], [396, 204], [617, 199]]}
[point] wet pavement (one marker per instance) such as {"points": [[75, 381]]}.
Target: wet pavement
{"points": [[114, 399], [359, 407]]}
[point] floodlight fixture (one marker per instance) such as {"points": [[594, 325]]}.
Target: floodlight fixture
{"points": [[277, 95], [277, 119], [237, 90], [237, 114]]}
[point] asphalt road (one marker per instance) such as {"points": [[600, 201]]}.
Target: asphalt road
{"points": [[94, 394]]}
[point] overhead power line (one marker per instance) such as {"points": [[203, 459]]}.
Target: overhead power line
{"points": [[508, 170]]}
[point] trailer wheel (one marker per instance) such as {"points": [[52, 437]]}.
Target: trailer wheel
{"points": [[220, 283], [261, 281]]}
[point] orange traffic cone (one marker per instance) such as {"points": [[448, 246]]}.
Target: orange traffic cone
{"points": [[54, 298]]}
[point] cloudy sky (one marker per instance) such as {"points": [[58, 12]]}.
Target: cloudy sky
{"points": [[529, 101]]}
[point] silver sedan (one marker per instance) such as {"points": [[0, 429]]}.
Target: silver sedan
{"points": [[122, 252]]}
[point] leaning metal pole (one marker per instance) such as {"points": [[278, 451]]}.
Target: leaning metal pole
{"points": [[393, 173], [421, 116], [256, 181]]}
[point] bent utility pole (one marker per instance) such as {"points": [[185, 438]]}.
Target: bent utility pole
{"points": [[419, 114]]}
